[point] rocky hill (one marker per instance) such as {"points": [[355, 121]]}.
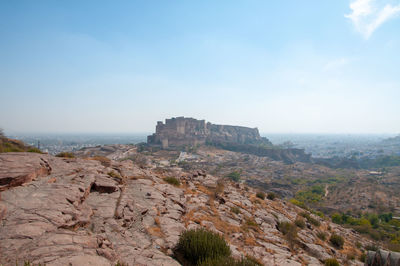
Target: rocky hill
{"points": [[181, 132], [98, 211]]}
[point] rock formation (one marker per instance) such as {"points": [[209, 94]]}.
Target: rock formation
{"points": [[181, 131], [382, 258], [97, 211]]}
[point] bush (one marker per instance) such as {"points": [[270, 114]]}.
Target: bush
{"points": [[300, 223], [331, 262], [321, 235], [235, 210], [310, 219], [229, 261], [34, 150], [289, 230], [198, 245], [66, 155], [172, 180], [235, 176], [298, 203], [313, 221], [337, 241], [271, 196], [337, 218], [260, 195]]}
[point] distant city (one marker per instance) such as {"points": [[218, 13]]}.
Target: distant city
{"points": [[56, 143], [319, 145]]}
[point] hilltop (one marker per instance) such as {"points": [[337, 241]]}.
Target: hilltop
{"points": [[100, 211]]}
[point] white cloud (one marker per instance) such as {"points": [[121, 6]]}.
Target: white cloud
{"points": [[368, 15]]}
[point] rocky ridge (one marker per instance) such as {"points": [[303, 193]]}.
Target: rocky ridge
{"points": [[97, 211]]}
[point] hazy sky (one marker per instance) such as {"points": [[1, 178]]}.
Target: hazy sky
{"points": [[119, 66]]}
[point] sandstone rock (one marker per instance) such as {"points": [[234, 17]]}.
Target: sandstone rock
{"points": [[19, 168], [317, 251]]}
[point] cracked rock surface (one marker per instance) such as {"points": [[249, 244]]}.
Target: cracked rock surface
{"points": [[60, 211]]}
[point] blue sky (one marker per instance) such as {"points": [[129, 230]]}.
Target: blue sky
{"points": [[119, 66]]}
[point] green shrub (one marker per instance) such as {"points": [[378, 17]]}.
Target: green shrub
{"points": [[229, 261], [337, 241], [321, 235], [235, 176], [235, 210], [298, 203], [313, 221], [195, 246], [310, 219], [260, 195], [66, 155], [34, 150], [172, 180], [331, 262], [300, 223], [289, 230], [271, 196]]}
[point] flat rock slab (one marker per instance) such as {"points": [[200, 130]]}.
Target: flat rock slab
{"points": [[19, 168]]}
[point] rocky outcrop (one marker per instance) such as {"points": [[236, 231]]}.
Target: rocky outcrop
{"points": [[17, 169], [382, 258], [83, 212], [181, 131], [79, 215]]}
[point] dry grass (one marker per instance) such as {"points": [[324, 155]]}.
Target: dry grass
{"points": [[103, 160]]}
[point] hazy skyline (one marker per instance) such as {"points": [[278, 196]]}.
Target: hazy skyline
{"points": [[120, 66]]}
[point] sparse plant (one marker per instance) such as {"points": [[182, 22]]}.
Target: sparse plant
{"points": [[260, 195], [235, 210], [173, 181], [371, 247], [321, 235], [289, 230], [300, 223], [114, 174], [65, 155], [34, 150], [235, 176], [103, 160], [229, 261], [362, 257], [310, 219], [271, 195], [331, 262], [220, 187], [337, 241]]}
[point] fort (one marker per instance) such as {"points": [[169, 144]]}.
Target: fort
{"points": [[182, 131]]}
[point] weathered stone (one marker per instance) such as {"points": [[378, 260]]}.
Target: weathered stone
{"points": [[19, 168]]}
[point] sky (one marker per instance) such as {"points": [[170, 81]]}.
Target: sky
{"points": [[283, 66]]}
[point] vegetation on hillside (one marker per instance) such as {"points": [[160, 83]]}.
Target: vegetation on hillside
{"points": [[12, 145], [380, 227], [206, 248]]}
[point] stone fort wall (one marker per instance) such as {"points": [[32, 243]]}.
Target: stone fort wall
{"points": [[181, 131]]}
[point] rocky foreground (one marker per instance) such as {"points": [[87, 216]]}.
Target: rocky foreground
{"points": [[96, 211]]}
